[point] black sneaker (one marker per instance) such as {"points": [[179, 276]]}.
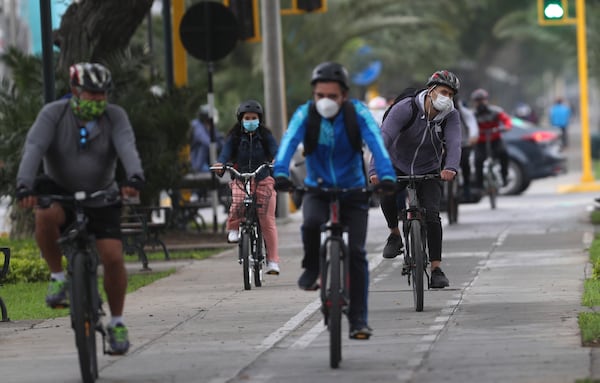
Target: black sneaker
{"points": [[361, 332], [393, 247], [308, 280], [438, 279]]}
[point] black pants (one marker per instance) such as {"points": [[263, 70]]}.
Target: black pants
{"points": [[465, 167], [429, 193], [498, 151], [354, 211]]}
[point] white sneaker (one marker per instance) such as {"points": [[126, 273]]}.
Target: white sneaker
{"points": [[233, 236], [273, 268]]}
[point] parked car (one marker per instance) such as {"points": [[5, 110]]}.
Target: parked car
{"points": [[534, 152]]}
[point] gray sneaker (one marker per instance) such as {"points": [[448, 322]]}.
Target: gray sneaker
{"points": [[438, 279], [56, 296], [393, 247]]}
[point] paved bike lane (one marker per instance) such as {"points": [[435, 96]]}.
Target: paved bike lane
{"points": [[509, 316]]}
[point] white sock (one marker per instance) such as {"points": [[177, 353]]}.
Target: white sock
{"points": [[115, 320], [60, 276]]}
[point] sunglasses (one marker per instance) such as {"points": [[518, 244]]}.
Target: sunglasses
{"points": [[83, 138]]}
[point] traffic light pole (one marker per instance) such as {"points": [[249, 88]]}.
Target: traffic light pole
{"points": [[588, 183], [274, 80]]}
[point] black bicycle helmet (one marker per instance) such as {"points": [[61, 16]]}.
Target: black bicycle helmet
{"points": [[249, 106], [479, 94], [90, 76], [444, 77], [330, 71]]}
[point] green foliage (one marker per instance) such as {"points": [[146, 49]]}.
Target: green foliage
{"points": [[589, 323], [25, 301], [591, 291]]}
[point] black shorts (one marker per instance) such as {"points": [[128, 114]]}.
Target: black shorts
{"points": [[103, 222]]}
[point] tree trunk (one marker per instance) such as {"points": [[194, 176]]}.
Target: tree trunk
{"points": [[96, 30]]}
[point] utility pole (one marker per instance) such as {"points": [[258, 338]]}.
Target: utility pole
{"points": [[274, 81]]}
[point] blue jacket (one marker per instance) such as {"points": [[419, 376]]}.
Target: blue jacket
{"points": [[334, 161], [560, 115], [251, 152]]}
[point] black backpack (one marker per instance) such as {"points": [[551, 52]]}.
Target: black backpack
{"points": [[412, 93], [313, 127]]}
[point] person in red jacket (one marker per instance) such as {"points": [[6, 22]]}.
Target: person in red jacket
{"points": [[491, 119]]}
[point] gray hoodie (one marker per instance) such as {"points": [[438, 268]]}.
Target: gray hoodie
{"points": [[418, 149], [54, 138]]}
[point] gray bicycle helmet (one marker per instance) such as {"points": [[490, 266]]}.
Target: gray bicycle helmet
{"points": [[479, 94], [249, 106], [330, 71], [92, 77], [444, 77]]}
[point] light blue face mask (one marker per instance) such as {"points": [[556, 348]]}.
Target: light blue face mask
{"points": [[250, 125]]}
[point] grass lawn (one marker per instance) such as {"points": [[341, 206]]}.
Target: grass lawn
{"points": [[25, 301]]}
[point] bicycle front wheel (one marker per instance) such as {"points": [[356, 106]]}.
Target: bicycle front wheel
{"points": [[258, 260], [452, 200], [492, 186], [82, 318], [418, 263], [335, 305], [245, 257]]}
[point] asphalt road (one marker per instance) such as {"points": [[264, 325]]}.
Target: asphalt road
{"points": [[510, 314]]}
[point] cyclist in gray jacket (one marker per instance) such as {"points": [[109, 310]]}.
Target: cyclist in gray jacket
{"points": [[79, 140], [430, 144]]}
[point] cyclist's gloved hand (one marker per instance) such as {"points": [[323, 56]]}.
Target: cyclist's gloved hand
{"points": [[283, 184], [135, 182], [23, 192], [385, 187]]}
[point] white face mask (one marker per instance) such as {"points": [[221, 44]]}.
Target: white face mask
{"points": [[441, 102], [327, 107]]}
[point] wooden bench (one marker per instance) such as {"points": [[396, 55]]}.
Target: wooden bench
{"points": [[141, 226], [3, 272]]}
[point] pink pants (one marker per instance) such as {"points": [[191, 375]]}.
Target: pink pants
{"points": [[266, 197]]}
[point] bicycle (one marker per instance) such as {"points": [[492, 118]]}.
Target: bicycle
{"points": [[492, 179], [414, 229], [251, 248], [334, 268], [6, 253], [82, 260], [452, 191]]}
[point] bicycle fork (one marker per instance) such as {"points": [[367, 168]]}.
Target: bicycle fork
{"points": [[340, 236]]}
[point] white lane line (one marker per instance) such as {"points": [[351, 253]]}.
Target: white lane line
{"points": [[309, 336], [290, 325], [299, 318]]}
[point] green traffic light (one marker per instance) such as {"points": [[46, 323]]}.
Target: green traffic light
{"points": [[554, 11]]}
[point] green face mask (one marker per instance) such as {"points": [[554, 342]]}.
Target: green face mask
{"points": [[87, 110]]}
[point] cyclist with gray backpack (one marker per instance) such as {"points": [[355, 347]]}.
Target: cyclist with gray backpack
{"points": [[422, 133]]}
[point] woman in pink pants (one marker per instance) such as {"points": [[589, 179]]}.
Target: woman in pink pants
{"points": [[248, 145]]}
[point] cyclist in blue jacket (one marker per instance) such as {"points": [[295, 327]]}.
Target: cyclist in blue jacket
{"points": [[333, 127]]}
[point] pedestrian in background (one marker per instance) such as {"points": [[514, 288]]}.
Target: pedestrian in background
{"points": [[560, 114]]}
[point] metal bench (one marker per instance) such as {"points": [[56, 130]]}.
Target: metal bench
{"points": [[3, 273], [140, 229]]}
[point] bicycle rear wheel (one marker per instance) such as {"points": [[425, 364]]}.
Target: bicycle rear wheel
{"points": [[418, 263], [82, 317], [245, 258], [335, 305]]}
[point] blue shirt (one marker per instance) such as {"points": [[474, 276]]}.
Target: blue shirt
{"points": [[560, 115], [334, 162]]}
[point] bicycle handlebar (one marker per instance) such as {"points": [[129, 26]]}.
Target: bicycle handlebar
{"points": [[237, 174], [418, 177], [44, 200]]}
